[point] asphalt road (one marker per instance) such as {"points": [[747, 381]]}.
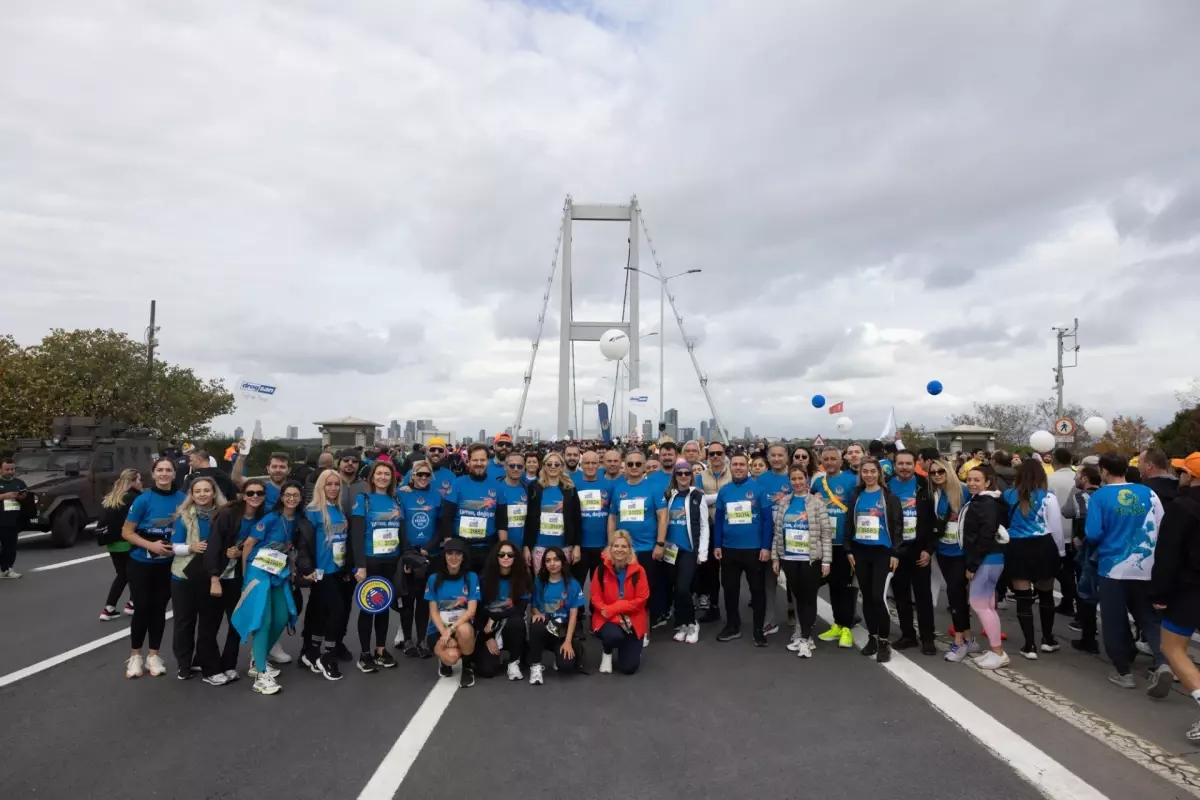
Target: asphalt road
{"points": [[709, 720]]}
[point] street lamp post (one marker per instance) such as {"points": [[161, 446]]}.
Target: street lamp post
{"points": [[662, 323]]}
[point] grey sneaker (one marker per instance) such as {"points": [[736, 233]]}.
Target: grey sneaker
{"points": [[1124, 681], [1160, 682]]}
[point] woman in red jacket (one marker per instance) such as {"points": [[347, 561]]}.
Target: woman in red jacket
{"points": [[620, 589]]}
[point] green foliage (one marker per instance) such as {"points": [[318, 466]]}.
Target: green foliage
{"points": [[1181, 436], [916, 437], [1014, 423], [101, 373]]}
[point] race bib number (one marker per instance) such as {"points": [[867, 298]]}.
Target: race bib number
{"points": [[339, 553], [385, 540], [910, 528], [795, 543], [633, 510], [739, 513], [590, 500], [269, 560], [950, 535], [516, 515], [452, 616], [472, 527], [552, 524], [866, 529], [12, 505], [670, 552]]}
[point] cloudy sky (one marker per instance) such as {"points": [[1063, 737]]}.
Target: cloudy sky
{"points": [[359, 201]]}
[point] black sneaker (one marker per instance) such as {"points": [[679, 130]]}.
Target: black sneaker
{"points": [[445, 671], [665, 619], [384, 660], [342, 653], [308, 660], [366, 663], [184, 674], [411, 650], [1075, 625], [905, 643], [327, 667], [728, 634], [871, 647], [1086, 646], [760, 639], [885, 652], [712, 615], [928, 648], [423, 650], [467, 679]]}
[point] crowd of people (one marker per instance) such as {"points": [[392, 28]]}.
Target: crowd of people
{"points": [[514, 559]]}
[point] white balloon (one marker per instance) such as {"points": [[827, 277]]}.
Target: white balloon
{"points": [[1095, 426], [1042, 441], [614, 344], [844, 424]]}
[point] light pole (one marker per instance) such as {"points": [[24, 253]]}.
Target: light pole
{"points": [[662, 322]]}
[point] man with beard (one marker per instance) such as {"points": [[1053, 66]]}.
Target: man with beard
{"points": [[443, 479], [503, 445], [475, 510], [198, 464], [572, 454]]}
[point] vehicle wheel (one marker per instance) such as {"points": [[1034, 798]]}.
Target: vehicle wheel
{"points": [[67, 525]]}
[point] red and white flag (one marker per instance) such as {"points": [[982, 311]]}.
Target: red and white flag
{"points": [[837, 408]]}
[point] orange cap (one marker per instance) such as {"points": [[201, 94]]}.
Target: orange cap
{"points": [[502, 437], [1190, 465]]}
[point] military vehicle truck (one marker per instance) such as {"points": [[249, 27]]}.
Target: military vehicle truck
{"points": [[69, 473]]}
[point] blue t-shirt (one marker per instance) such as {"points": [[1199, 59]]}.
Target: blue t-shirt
{"points": [[179, 534], [555, 599], [677, 532], [906, 492], [870, 526], [452, 597], [837, 493], [1028, 524], [503, 601], [949, 544], [659, 480], [738, 522], [496, 471], [636, 509], [382, 514], [1121, 518], [516, 501], [594, 503], [797, 544], [477, 502], [272, 495], [774, 487], [421, 509], [331, 544], [151, 514], [552, 526], [273, 532]]}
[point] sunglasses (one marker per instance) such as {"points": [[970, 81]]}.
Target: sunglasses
{"points": [[515, 466], [506, 554], [635, 463], [254, 493], [423, 474], [937, 472], [349, 460], [716, 452], [685, 472], [437, 449]]}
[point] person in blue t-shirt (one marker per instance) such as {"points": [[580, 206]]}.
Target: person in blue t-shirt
{"points": [[742, 543], [557, 599], [876, 523], [775, 485], [516, 499], [376, 534], [148, 528], [595, 498], [637, 506], [421, 506], [500, 622], [1031, 558], [453, 595], [556, 518], [949, 497], [475, 509], [321, 536], [836, 486]]}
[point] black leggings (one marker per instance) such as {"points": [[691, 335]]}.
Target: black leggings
{"points": [[540, 640], [150, 588], [843, 596], [415, 610], [194, 634], [231, 593], [514, 639], [376, 568], [954, 572], [323, 622], [803, 581], [120, 562], [871, 565]]}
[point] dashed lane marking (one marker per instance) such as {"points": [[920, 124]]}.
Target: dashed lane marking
{"points": [[72, 562]]}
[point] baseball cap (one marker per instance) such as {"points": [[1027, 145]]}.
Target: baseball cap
{"points": [[454, 546], [436, 441], [502, 437], [348, 452], [1190, 465], [682, 463]]}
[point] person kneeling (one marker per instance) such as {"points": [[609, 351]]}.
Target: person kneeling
{"points": [[500, 623], [557, 598], [620, 590], [453, 595]]}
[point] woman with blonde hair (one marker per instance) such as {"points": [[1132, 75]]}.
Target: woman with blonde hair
{"points": [[620, 592], [949, 497], [321, 559], [190, 595], [555, 518], [108, 534]]}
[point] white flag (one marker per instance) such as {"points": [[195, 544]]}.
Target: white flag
{"points": [[889, 428]]}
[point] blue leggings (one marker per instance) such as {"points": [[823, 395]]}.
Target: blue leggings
{"points": [[275, 619]]}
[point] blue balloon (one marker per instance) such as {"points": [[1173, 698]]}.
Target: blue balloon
{"points": [[818, 401], [934, 387]]}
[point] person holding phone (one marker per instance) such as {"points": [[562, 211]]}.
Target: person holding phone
{"points": [[13, 492]]}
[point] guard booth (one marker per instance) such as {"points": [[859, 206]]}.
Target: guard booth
{"points": [[964, 439], [347, 432]]}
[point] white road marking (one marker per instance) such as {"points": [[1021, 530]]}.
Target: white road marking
{"points": [[396, 764], [1048, 776], [69, 563], [62, 658], [32, 535]]}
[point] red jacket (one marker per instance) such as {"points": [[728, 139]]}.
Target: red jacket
{"points": [[605, 596]]}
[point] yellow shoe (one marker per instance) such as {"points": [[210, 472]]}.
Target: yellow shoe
{"points": [[847, 638], [833, 634]]}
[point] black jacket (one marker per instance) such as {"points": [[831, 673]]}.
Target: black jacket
{"points": [[112, 520], [572, 516], [977, 525], [927, 522], [895, 521], [219, 477], [1175, 579], [224, 533], [1165, 486]]}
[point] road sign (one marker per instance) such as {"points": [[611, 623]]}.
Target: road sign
{"points": [[1064, 426], [818, 442], [1065, 439]]}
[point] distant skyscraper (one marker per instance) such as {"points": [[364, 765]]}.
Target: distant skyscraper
{"points": [[467, 440], [410, 432], [508, 430], [686, 434], [394, 430], [258, 430], [292, 432], [704, 429], [482, 435], [425, 425], [748, 435], [239, 432], [570, 434], [671, 418], [648, 431]]}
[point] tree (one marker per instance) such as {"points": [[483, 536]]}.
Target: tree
{"points": [[1182, 435], [1190, 397], [1127, 436], [1014, 423], [915, 437], [101, 373]]}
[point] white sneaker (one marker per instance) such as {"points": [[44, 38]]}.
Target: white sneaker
{"points": [[804, 651], [1142, 647], [957, 652], [265, 684], [514, 671], [128, 610], [271, 672], [133, 666], [399, 640], [646, 640], [155, 665], [680, 633], [693, 633], [606, 662], [10, 573], [535, 675], [231, 675], [794, 645], [278, 656], [992, 660], [219, 679], [974, 647]]}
